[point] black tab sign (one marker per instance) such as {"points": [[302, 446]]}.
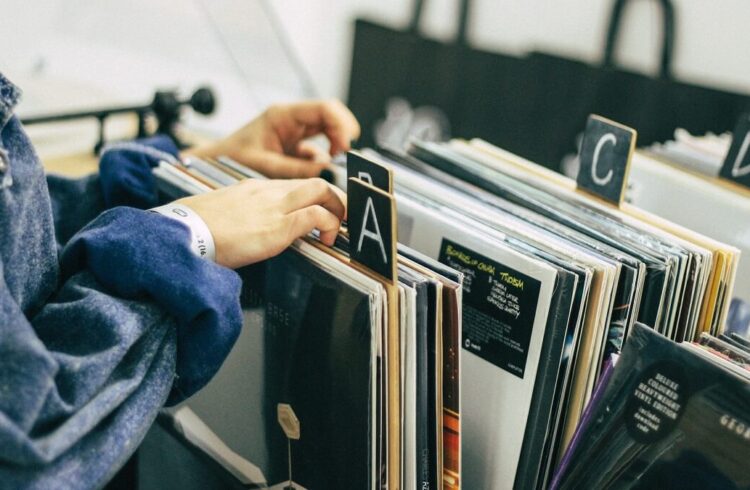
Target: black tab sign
{"points": [[372, 228], [737, 163], [605, 158], [367, 170]]}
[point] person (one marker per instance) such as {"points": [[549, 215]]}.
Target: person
{"points": [[108, 312]]}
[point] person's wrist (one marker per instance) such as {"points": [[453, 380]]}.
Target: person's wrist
{"points": [[201, 238]]}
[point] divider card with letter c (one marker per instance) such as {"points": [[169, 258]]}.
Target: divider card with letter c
{"points": [[371, 216], [736, 166], [605, 158]]}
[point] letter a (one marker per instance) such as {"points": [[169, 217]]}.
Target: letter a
{"points": [[370, 210]]}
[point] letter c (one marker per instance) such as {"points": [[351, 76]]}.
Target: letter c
{"points": [[737, 169], [607, 138]]}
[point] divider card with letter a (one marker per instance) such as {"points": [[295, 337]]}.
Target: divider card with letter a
{"points": [[605, 158], [372, 244], [372, 228], [737, 164]]}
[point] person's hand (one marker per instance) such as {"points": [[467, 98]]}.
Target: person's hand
{"points": [[275, 143], [257, 219]]}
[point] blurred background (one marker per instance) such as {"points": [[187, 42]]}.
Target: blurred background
{"points": [[256, 51], [74, 55]]}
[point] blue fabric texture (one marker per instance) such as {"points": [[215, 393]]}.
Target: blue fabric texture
{"points": [[75, 202], [150, 265], [125, 171], [95, 340]]}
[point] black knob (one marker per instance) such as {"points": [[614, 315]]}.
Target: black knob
{"points": [[203, 101], [166, 106]]}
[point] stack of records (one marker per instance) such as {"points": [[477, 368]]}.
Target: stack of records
{"points": [[679, 180], [699, 154], [575, 276], [514, 280], [333, 339]]}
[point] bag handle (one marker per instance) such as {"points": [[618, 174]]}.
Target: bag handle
{"points": [[463, 19], [667, 48]]}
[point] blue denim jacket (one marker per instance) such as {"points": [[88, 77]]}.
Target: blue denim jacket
{"points": [[104, 316]]}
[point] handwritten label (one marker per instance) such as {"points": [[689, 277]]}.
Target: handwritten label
{"points": [[605, 158], [499, 305], [736, 165]]}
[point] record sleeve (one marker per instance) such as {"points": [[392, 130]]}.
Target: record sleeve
{"points": [[719, 265], [451, 348], [674, 419], [422, 453], [505, 308], [408, 318], [312, 328]]}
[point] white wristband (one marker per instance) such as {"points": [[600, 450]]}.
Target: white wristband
{"points": [[201, 240]]}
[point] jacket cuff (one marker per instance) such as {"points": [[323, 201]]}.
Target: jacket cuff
{"points": [[125, 171], [136, 254]]}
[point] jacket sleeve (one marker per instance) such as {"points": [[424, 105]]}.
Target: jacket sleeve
{"points": [[80, 384], [124, 179], [138, 254], [75, 202], [139, 320]]}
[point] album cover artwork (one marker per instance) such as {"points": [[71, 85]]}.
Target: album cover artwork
{"points": [[316, 362]]}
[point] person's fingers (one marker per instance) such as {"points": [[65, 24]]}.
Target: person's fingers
{"points": [[342, 196], [277, 165], [330, 117], [313, 192], [310, 151], [255, 186], [303, 221]]}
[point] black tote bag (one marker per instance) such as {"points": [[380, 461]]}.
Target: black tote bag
{"points": [[403, 84], [654, 106]]}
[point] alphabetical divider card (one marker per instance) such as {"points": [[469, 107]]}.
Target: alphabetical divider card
{"points": [[372, 221], [372, 228], [366, 170], [606, 150], [736, 165]]}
